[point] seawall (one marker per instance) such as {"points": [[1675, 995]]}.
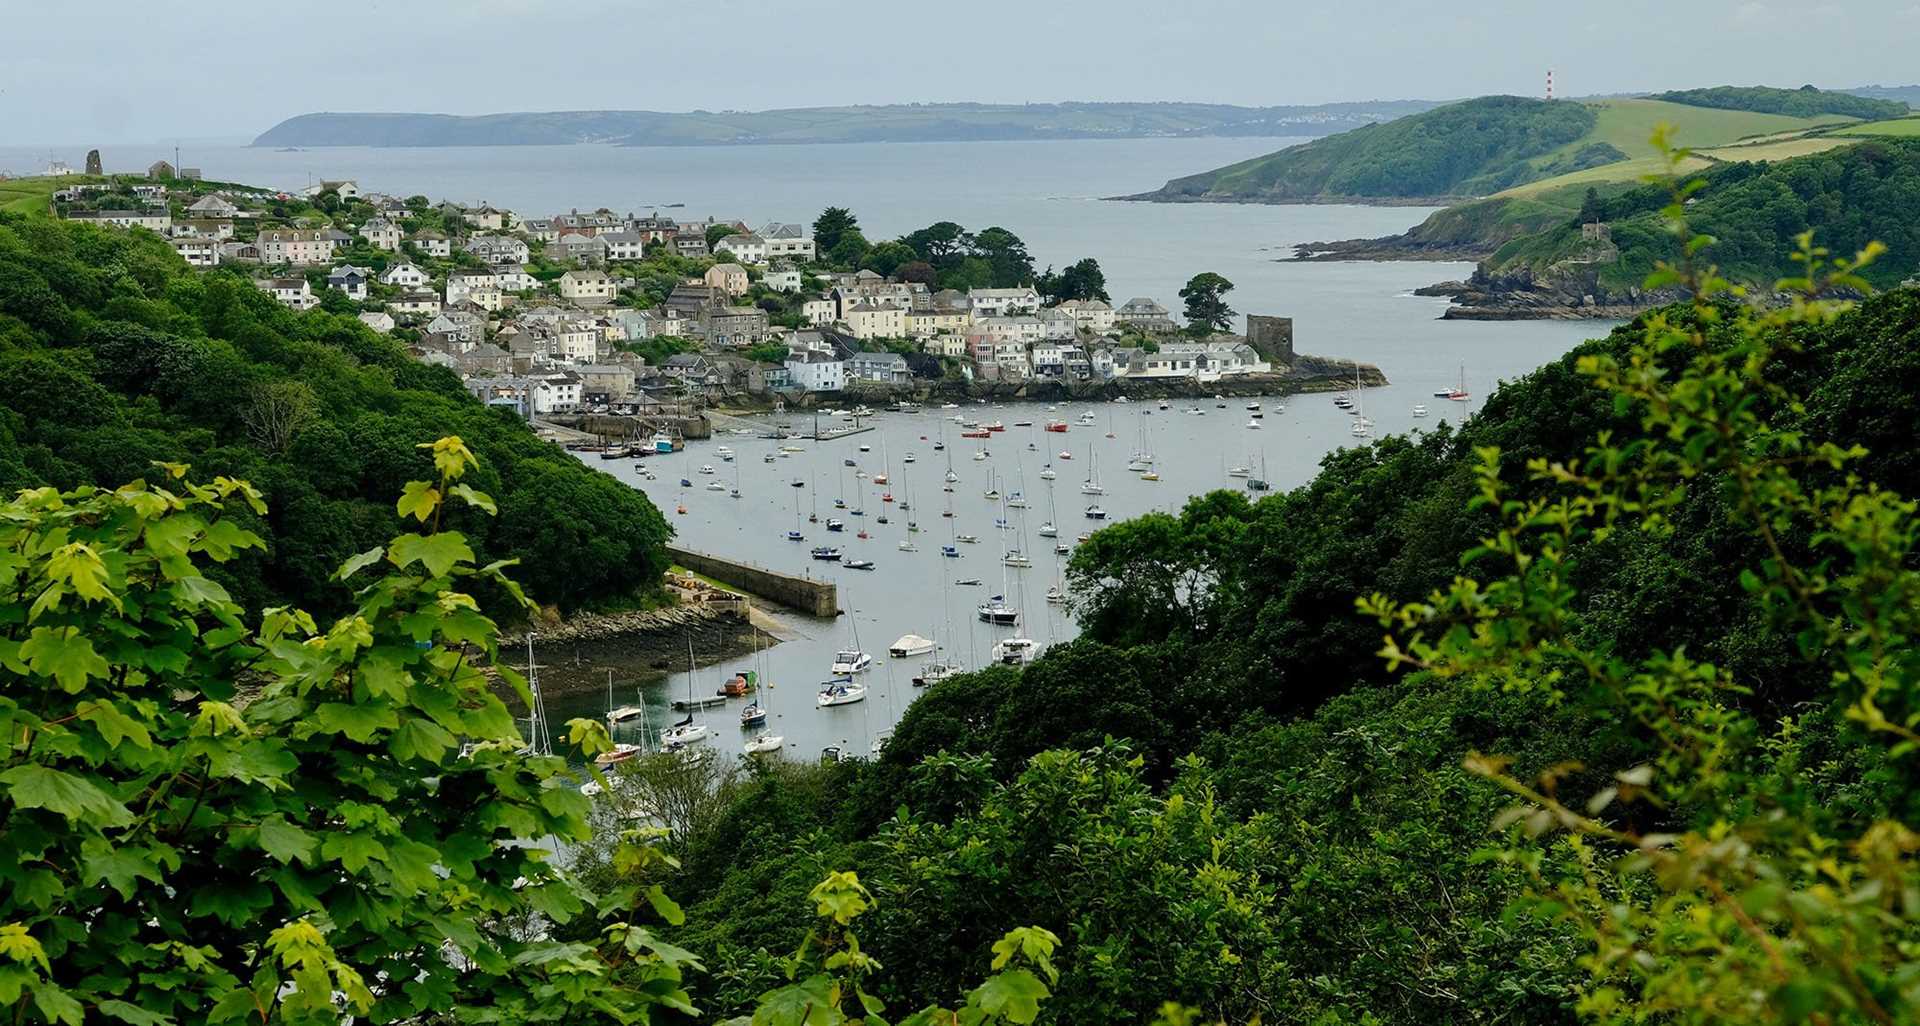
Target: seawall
{"points": [[815, 598]]}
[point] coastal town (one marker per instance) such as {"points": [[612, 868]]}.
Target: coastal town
{"points": [[605, 312]]}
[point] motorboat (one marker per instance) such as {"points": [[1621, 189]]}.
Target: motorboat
{"points": [[1238, 472], [826, 553], [1057, 426], [708, 468], [850, 661], [996, 611], [1096, 513], [934, 673], [1420, 410], [1047, 530], [724, 453], [858, 564], [716, 486], [621, 753], [1150, 476], [1015, 651], [978, 456], [682, 734], [950, 552], [907, 545], [910, 645], [879, 744], [1253, 425], [836, 524], [624, 713], [967, 582], [966, 539], [753, 716], [1017, 559], [763, 743], [1065, 455], [1047, 474], [842, 692]]}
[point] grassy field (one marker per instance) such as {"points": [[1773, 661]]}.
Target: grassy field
{"points": [[1902, 128], [1628, 125], [1780, 149], [1625, 171], [26, 195]]}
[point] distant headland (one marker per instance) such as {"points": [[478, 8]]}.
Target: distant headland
{"points": [[904, 122]]}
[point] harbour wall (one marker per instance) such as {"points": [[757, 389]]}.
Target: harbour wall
{"points": [[815, 598]]}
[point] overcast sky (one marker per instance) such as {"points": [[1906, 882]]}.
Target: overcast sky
{"points": [[132, 71]]}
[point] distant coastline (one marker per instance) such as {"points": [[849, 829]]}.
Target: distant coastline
{"points": [[942, 122]]}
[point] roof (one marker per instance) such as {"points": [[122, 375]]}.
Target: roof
{"points": [[586, 275], [728, 268]]}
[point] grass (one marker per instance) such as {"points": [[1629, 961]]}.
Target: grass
{"points": [[1628, 125], [1782, 149], [1625, 171], [1900, 128], [27, 195]]}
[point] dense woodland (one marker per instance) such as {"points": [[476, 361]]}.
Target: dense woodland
{"points": [[114, 355], [1847, 196], [1804, 102]]}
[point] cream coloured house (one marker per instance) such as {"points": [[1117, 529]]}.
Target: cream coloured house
{"points": [[732, 278], [588, 286]]}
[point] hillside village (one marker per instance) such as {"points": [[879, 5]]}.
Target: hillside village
{"points": [[603, 312]]}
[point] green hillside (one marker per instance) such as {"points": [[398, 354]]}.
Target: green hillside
{"points": [[1485, 146], [1900, 128]]}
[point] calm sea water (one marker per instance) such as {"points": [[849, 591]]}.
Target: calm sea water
{"points": [[1048, 193]]}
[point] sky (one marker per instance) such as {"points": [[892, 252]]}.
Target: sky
{"points": [[134, 71]]}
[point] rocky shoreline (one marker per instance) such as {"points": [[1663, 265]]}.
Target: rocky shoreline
{"points": [[575, 653]]}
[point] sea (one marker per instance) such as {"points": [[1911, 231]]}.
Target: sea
{"points": [[1050, 193]]}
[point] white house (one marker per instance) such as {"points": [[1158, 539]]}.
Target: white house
{"points": [[885, 368], [404, 275], [350, 280], [750, 249], [819, 312], [928, 323], [212, 206], [513, 278], [1001, 302], [1049, 361], [785, 279], [421, 302], [296, 246], [1090, 314], [498, 249], [198, 252], [576, 341], [432, 243], [624, 245], [378, 320], [1012, 359], [815, 371], [587, 286], [381, 233], [945, 345], [557, 393], [293, 292], [1024, 330], [486, 218], [462, 284], [876, 322]]}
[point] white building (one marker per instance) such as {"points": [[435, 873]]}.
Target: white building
{"points": [[624, 245], [433, 244], [819, 312], [300, 247], [378, 320], [292, 292], [815, 371], [557, 393], [1001, 302], [748, 249], [1090, 314], [587, 286], [198, 252], [786, 279], [876, 322], [350, 280], [576, 341], [404, 275], [381, 233], [1025, 330]]}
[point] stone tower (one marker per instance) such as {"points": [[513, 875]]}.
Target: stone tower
{"points": [[1271, 337], [93, 163]]}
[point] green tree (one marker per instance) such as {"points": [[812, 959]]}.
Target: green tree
{"points": [[719, 231], [1207, 310], [1082, 279], [888, 257], [1007, 255], [833, 224], [850, 250]]}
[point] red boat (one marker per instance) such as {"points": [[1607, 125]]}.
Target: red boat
{"points": [[1057, 425], [983, 433], [996, 426], [886, 497]]}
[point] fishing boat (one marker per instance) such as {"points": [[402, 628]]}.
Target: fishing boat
{"points": [[836, 524], [1057, 426], [796, 536], [842, 691], [826, 553], [910, 645], [996, 426]]}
